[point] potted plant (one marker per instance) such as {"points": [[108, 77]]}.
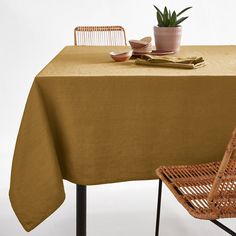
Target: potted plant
{"points": [[168, 32]]}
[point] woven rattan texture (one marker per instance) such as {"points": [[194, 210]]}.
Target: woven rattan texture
{"points": [[99, 36], [207, 191]]}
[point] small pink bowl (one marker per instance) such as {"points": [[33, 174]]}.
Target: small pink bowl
{"points": [[145, 49], [121, 56], [135, 44]]}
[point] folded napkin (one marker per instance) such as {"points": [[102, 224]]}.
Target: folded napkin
{"points": [[169, 61]]}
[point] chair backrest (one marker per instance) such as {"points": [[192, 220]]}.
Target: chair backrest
{"points": [[225, 180], [100, 36]]}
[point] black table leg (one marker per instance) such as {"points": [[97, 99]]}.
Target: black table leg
{"points": [[158, 207], [81, 192], [225, 228]]}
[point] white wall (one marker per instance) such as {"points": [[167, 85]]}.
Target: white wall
{"points": [[31, 33]]}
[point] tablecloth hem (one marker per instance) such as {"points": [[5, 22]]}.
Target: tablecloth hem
{"points": [[106, 181], [29, 227]]}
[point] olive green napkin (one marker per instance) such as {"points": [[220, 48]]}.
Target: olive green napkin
{"points": [[169, 61]]}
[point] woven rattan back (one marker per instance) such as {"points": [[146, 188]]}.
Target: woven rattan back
{"points": [[99, 36], [225, 180]]}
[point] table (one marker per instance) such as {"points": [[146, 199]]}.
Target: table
{"points": [[92, 121]]}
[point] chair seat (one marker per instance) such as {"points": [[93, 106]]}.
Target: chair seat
{"points": [[192, 184]]}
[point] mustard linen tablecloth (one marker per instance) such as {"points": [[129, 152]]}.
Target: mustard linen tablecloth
{"points": [[92, 121]]}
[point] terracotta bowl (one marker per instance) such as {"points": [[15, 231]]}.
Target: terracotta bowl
{"points": [[147, 39], [121, 56], [136, 44], [146, 49]]}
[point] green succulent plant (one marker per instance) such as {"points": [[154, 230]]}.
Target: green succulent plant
{"points": [[168, 18]]}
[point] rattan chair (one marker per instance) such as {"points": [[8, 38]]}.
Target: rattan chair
{"points": [[93, 36], [206, 191], [100, 36]]}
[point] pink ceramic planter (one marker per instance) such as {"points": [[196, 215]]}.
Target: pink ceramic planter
{"points": [[167, 38]]}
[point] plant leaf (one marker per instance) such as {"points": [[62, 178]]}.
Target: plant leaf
{"points": [[166, 20], [158, 10], [169, 14], [183, 11], [165, 12], [173, 19], [160, 19], [181, 20]]}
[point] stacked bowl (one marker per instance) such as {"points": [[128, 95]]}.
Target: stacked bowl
{"points": [[141, 46]]}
